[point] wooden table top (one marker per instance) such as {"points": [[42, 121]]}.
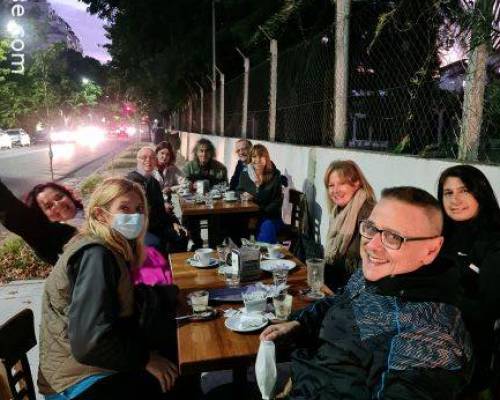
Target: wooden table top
{"points": [[189, 208], [209, 345]]}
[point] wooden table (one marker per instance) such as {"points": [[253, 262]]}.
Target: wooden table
{"points": [[209, 345], [215, 214]]}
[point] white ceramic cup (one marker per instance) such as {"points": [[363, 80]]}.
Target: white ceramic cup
{"points": [[230, 195], [203, 256], [274, 251]]}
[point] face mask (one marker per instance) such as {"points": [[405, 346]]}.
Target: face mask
{"points": [[129, 225]]}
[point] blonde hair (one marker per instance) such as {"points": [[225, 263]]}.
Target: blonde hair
{"points": [[260, 150], [103, 196], [350, 172]]}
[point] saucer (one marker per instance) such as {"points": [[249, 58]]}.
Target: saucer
{"points": [[266, 256], [195, 263], [230, 200], [270, 265], [245, 322]]}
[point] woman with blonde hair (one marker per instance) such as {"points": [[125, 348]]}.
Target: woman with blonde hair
{"points": [[350, 199], [261, 182], [90, 343]]}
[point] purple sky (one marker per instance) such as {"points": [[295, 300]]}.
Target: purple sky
{"points": [[88, 28]]}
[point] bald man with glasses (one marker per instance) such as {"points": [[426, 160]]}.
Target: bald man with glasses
{"points": [[395, 331]]}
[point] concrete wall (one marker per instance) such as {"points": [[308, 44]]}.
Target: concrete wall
{"points": [[304, 166]]}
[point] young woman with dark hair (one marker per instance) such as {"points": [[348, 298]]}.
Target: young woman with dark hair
{"points": [[261, 181], [472, 240], [167, 173], [41, 221]]}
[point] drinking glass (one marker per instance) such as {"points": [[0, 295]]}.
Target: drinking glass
{"points": [[315, 276], [280, 276], [209, 201], [255, 301], [231, 276], [282, 305], [199, 301]]}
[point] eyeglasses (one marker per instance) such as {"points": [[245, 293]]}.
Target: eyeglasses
{"points": [[389, 239]]}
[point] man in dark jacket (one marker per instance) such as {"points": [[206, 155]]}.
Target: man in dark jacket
{"points": [[164, 230], [242, 149], [395, 331]]}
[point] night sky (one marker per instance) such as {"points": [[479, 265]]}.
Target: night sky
{"points": [[88, 28]]}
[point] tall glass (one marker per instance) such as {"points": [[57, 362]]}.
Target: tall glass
{"points": [[315, 276]]}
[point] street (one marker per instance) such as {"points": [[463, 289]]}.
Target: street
{"points": [[22, 168]]}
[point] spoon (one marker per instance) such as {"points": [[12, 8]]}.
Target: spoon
{"points": [[204, 314]]}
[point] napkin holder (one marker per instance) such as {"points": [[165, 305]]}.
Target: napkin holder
{"points": [[247, 260]]}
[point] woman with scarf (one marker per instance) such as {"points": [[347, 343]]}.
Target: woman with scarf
{"points": [[350, 200], [472, 241], [261, 181], [166, 172]]}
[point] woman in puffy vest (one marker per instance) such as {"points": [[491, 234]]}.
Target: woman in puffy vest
{"points": [[90, 342]]}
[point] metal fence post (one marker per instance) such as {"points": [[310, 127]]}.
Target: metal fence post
{"points": [[201, 106], [273, 89], [341, 71], [244, 107], [190, 114], [221, 107]]}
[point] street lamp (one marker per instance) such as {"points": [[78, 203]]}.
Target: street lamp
{"points": [[85, 81], [14, 29]]}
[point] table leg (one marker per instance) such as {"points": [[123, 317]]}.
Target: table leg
{"points": [[214, 229]]}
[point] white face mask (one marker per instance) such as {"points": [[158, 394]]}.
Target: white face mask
{"points": [[129, 225]]}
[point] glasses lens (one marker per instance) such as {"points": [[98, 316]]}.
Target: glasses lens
{"points": [[367, 229], [392, 240]]}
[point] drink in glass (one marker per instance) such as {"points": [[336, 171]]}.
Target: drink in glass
{"points": [[280, 276], [255, 301], [282, 305], [199, 301], [315, 276]]}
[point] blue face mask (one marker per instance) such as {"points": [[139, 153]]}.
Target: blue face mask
{"points": [[129, 225]]}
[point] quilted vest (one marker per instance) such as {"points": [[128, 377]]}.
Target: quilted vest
{"points": [[58, 368]]}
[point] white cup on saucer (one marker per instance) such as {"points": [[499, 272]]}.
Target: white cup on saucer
{"points": [[274, 251], [202, 256], [230, 195]]}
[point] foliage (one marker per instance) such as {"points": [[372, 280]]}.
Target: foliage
{"points": [[51, 88], [160, 49], [89, 184], [19, 262]]}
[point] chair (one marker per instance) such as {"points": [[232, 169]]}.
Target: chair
{"points": [[291, 231], [17, 337]]}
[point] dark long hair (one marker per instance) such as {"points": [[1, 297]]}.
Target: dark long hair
{"points": [[31, 201], [168, 146], [478, 185]]}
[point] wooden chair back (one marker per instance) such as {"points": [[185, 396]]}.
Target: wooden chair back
{"points": [[17, 337], [295, 199]]}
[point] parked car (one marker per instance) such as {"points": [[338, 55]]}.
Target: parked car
{"points": [[5, 140], [19, 137]]}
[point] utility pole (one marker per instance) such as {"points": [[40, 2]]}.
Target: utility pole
{"points": [[214, 76]]}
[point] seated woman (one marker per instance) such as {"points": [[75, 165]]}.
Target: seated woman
{"points": [[41, 221], [90, 343], [261, 181], [350, 200], [472, 240], [166, 173], [204, 166]]}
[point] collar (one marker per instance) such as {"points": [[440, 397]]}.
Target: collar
{"points": [[437, 282]]}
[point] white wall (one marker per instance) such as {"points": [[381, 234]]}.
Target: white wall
{"points": [[304, 166]]}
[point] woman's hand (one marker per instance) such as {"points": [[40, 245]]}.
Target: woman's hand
{"points": [[180, 229], [163, 370], [247, 196], [273, 332]]}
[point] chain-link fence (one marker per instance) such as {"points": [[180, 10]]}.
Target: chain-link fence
{"points": [[405, 90]]}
